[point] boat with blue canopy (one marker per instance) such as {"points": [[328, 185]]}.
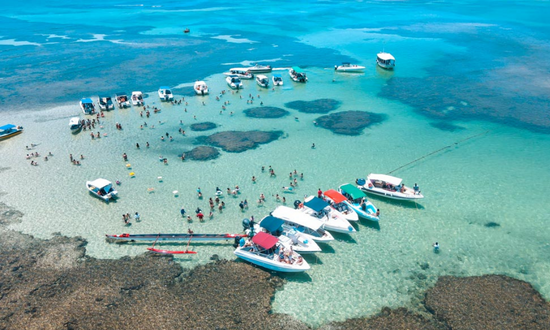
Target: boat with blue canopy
{"points": [[358, 201], [319, 209], [87, 106], [10, 130]]}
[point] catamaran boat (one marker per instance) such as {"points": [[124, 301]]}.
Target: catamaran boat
{"points": [[389, 186], [242, 73], [9, 130], [338, 203], [173, 237], [277, 79], [318, 209], [348, 67], [105, 103], [262, 80], [385, 60], [75, 125], [122, 100], [234, 82], [87, 106], [258, 68], [297, 74], [137, 98], [307, 226], [287, 235], [266, 251], [102, 188], [165, 94], [200, 88], [358, 201]]}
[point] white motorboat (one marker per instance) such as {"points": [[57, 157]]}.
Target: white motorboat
{"points": [[258, 68], [319, 209], [105, 103], [385, 60], [297, 74], [234, 82], [358, 201], [287, 235], [242, 73], [102, 188], [200, 88], [265, 251], [262, 80], [348, 67], [306, 225], [165, 94], [338, 203], [75, 125], [389, 186], [277, 79], [87, 106], [122, 100], [137, 98]]}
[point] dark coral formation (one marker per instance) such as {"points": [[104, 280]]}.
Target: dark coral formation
{"points": [[349, 122], [316, 106], [266, 112], [445, 126], [206, 126], [239, 141], [202, 153]]}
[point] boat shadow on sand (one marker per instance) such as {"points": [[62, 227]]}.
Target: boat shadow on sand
{"points": [[344, 238], [405, 204], [369, 224]]}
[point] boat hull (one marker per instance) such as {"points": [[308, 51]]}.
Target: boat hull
{"points": [[271, 264], [369, 214], [9, 135], [396, 195], [173, 237]]}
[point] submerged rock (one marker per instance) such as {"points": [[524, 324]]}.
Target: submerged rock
{"points": [[445, 126], [349, 122], [316, 106], [266, 112], [199, 127], [239, 141], [202, 153], [492, 224]]}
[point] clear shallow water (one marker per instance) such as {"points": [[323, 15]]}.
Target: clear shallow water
{"points": [[497, 177]]}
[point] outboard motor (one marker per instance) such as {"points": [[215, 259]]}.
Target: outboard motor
{"points": [[236, 241], [360, 182], [297, 203], [246, 224]]}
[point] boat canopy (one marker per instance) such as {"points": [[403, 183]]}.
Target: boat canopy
{"points": [[385, 56], [277, 75], [101, 183], [7, 127], [353, 191], [73, 121], [271, 223], [87, 101], [316, 204], [297, 69], [335, 196], [261, 76], [297, 217], [265, 240], [385, 178], [120, 94], [164, 87]]}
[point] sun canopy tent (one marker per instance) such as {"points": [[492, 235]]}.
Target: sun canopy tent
{"points": [[385, 178], [335, 196], [297, 69], [87, 101], [265, 240], [295, 216], [353, 191], [271, 223], [7, 127], [316, 204], [101, 183], [276, 75]]}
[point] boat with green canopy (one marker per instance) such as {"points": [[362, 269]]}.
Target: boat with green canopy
{"points": [[357, 199], [297, 74]]}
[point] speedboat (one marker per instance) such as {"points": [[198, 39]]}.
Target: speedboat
{"points": [[358, 201], [105, 103], [338, 203], [102, 188], [262, 80], [265, 251], [348, 67], [277, 79], [297, 74], [289, 236], [385, 60], [9, 130], [389, 186], [165, 94], [75, 125], [319, 209], [137, 98], [87, 106], [258, 68], [234, 82], [200, 88], [242, 73], [311, 228], [122, 100]]}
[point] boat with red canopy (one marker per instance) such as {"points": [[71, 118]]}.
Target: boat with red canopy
{"points": [[338, 203]]}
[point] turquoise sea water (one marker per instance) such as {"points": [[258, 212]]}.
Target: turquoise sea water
{"points": [[495, 177]]}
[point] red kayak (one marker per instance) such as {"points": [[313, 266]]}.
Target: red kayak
{"points": [[170, 252]]}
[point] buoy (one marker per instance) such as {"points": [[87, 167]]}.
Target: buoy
{"points": [[160, 178], [132, 174], [175, 192], [128, 165]]}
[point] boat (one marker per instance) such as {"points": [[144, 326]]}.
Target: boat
{"points": [[297, 74], [348, 67], [262, 80], [10, 130], [319, 209], [102, 188], [277, 79], [358, 201], [258, 68], [307, 226], [385, 60], [165, 94], [122, 100], [200, 88], [186, 31], [87, 106], [105, 103], [389, 186], [266, 251], [137, 98], [234, 82], [75, 125], [338, 203], [242, 73], [287, 235], [173, 237]]}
